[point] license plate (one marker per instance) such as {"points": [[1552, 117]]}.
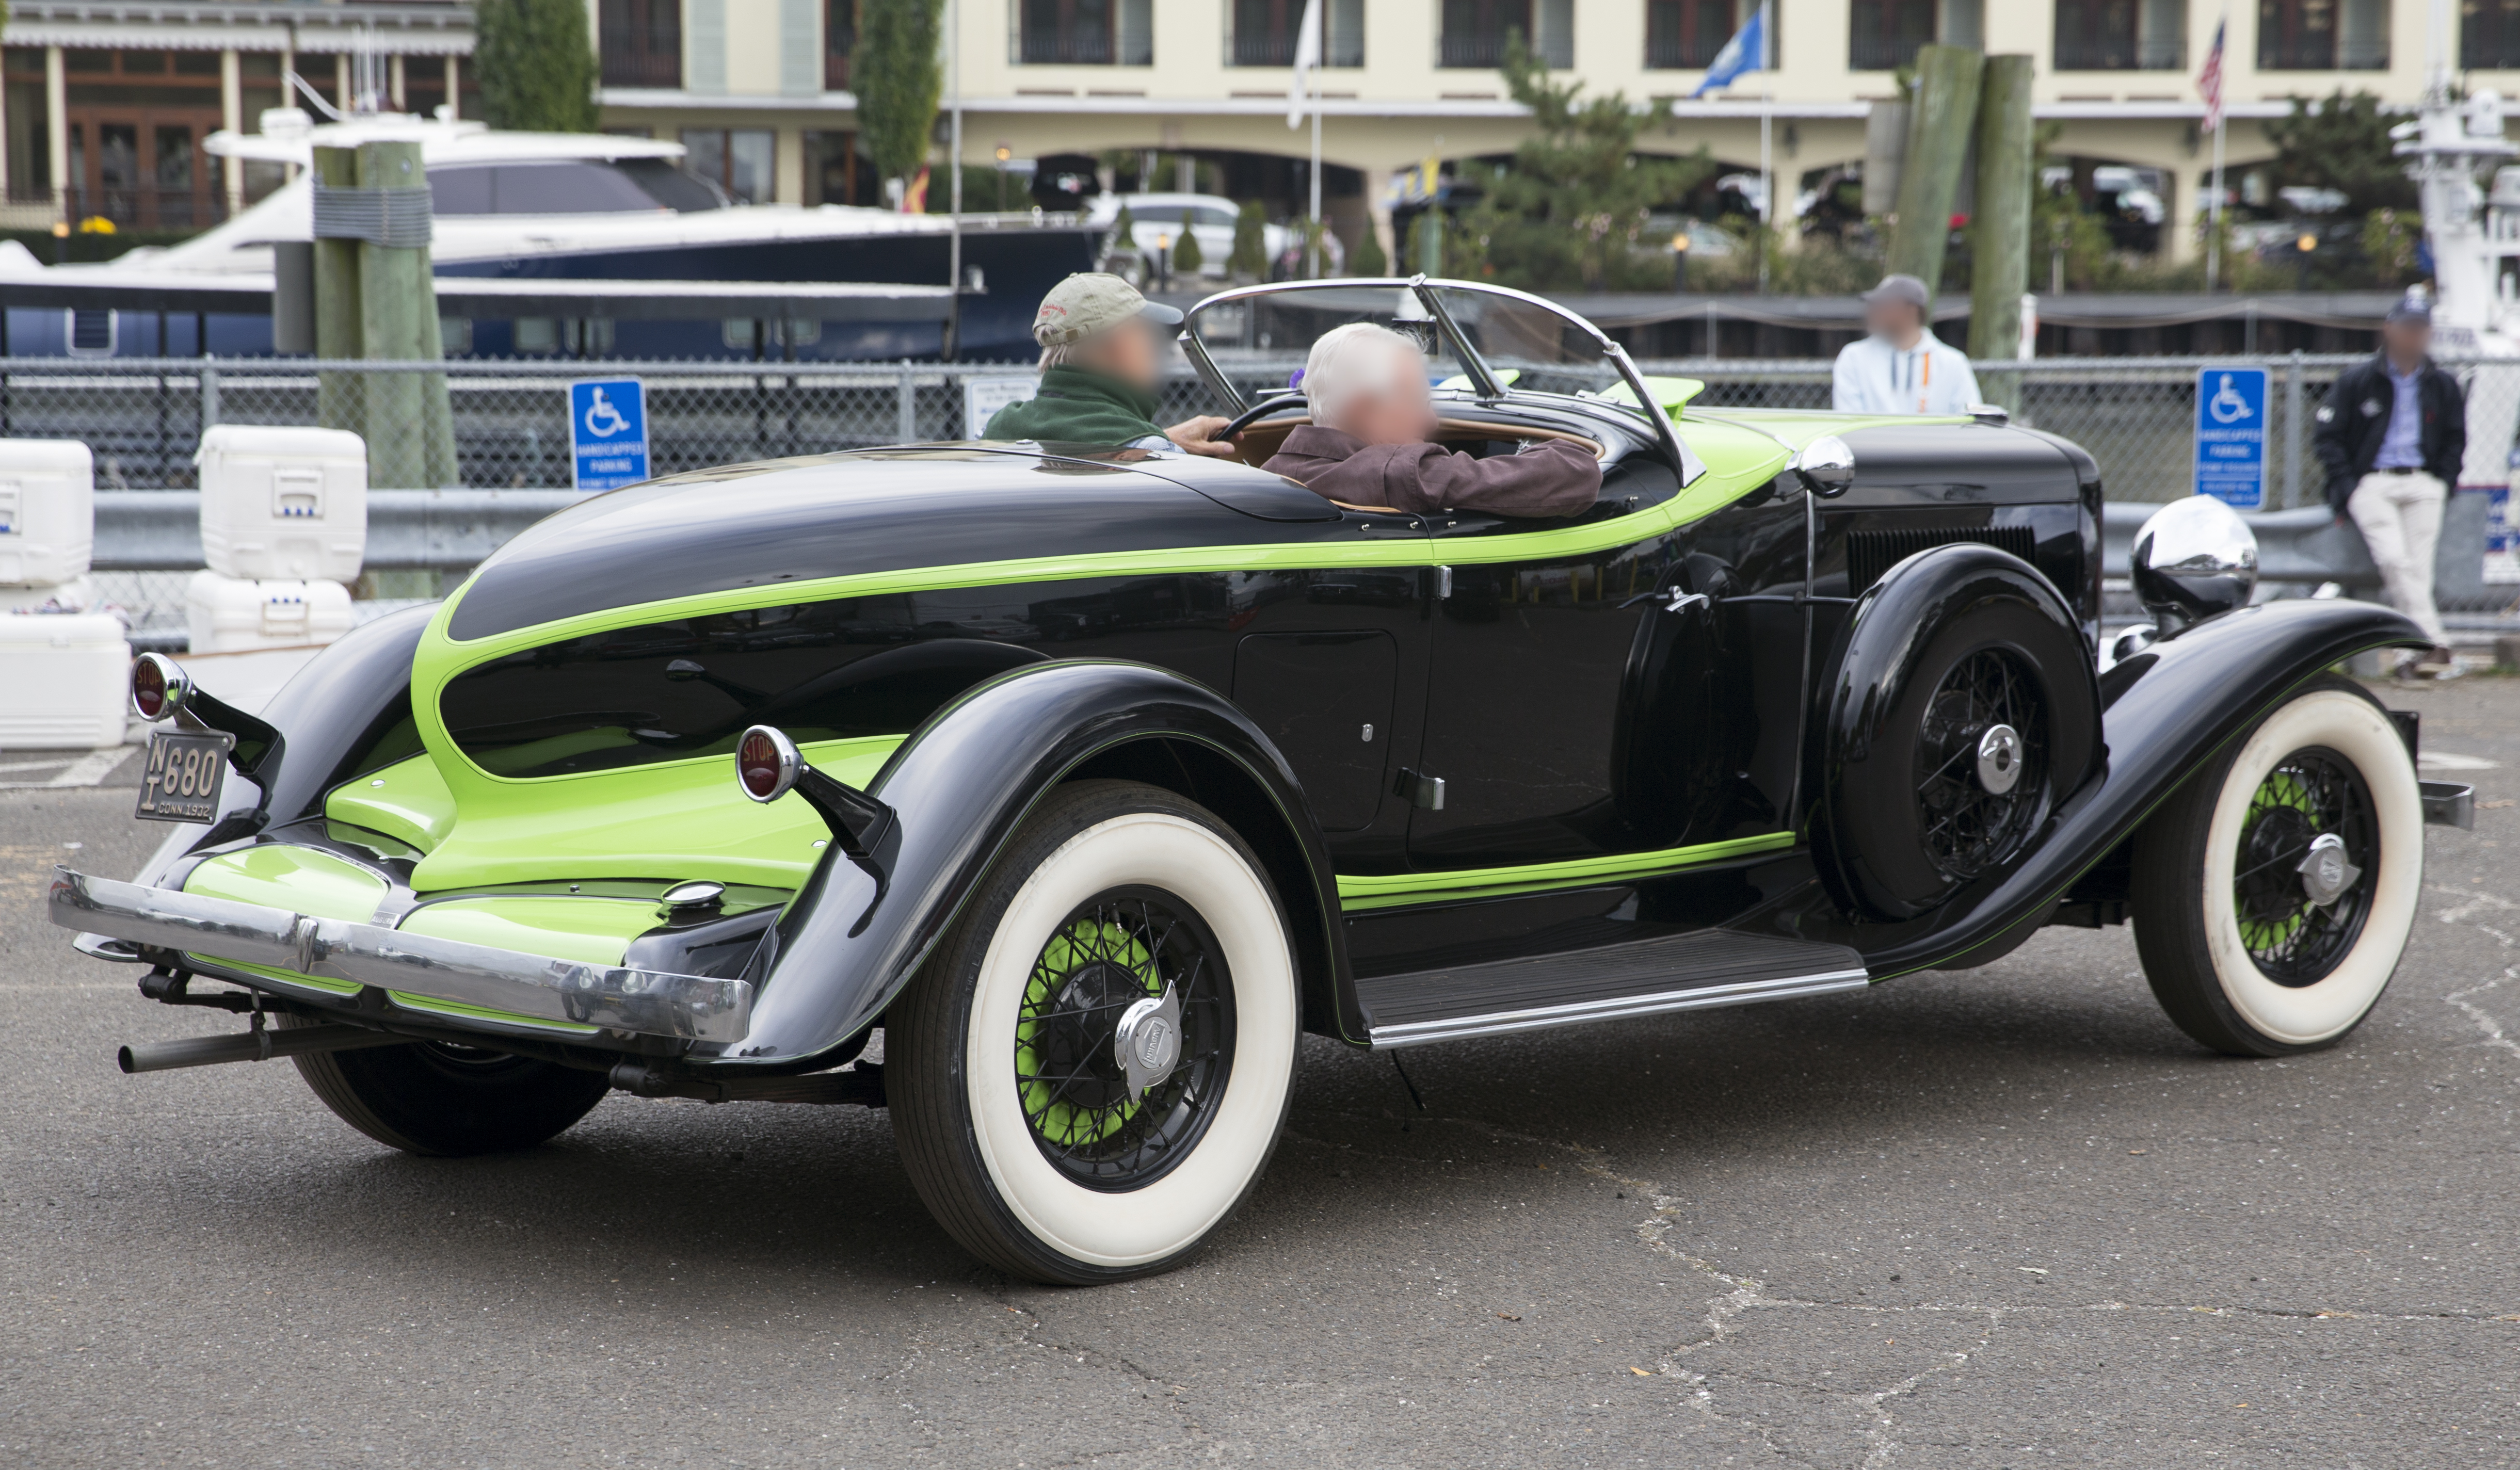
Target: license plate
{"points": [[185, 774]]}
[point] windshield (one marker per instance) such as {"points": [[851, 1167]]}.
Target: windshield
{"points": [[1256, 339], [1257, 342]]}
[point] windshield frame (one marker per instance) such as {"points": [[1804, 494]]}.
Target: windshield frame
{"points": [[1486, 385]]}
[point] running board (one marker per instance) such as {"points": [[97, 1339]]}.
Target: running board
{"points": [[1692, 971]]}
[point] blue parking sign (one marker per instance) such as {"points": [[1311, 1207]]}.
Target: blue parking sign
{"points": [[608, 428], [2231, 435]]}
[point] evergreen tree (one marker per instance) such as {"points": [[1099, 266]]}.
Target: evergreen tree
{"points": [[1251, 258], [1187, 258], [1368, 259], [1571, 207], [2343, 143], [537, 66], [898, 82]]}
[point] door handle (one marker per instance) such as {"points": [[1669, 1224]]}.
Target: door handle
{"points": [[1673, 600]]}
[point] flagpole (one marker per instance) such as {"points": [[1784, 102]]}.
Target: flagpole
{"points": [[1314, 236], [2214, 205], [1767, 129]]}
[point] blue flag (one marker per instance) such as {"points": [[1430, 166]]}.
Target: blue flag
{"points": [[1747, 51]]}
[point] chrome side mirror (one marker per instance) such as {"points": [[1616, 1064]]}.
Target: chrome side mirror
{"points": [[1825, 465], [2194, 560]]}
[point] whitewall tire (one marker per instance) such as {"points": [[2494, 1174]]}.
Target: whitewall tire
{"points": [[1122, 920], [2274, 893]]}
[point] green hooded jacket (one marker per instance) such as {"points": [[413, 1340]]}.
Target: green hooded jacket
{"points": [[1078, 406]]}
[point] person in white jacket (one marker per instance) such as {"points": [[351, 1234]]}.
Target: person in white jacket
{"points": [[1901, 367]]}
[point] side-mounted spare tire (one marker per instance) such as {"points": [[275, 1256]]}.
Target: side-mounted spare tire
{"points": [[1960, 709]]}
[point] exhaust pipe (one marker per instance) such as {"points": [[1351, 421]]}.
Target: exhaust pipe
{"points": [[252, 1046]]}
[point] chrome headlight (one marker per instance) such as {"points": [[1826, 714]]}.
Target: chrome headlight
{"points": [[1825, 467], [2194, 560]]}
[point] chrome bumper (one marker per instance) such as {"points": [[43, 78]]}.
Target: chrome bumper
{"points": [[645, 1002]]}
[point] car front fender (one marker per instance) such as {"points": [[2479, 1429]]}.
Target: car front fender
{"points": [[858, 932], [2166, 712]]}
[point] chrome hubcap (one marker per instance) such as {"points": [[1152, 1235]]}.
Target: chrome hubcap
{"points": [[1147, 1041], [2325, 874], [1998, 760]]}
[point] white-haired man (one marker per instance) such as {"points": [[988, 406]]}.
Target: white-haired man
{"points": [[1370, 440]]}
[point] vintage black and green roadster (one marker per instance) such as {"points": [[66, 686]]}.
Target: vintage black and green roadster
{"points": [[1093, 780]]}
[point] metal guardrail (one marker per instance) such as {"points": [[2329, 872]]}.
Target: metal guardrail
{"points": [[408, 530]]}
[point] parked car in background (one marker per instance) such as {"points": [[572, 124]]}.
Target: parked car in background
{"points": [[1158, 217]]}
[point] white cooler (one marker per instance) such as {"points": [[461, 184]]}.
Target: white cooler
{"points": [[67, 678], [234, 615], [77, 595], [283, 502], [47, 511]]}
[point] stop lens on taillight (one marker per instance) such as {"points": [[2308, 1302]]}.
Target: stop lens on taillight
{"points": [[765, 762], [157, 687]]}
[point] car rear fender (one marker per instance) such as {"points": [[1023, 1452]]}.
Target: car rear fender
{"points": [[857, 933], [2166, 712], [331, 715]]}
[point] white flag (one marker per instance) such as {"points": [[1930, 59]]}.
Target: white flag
{"points": [[1308, 55]]}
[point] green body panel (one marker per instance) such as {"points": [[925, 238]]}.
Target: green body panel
{"points": [[681, 819], [591, 930], [685, 820], [408, 800], [299, 880], [284, 977], [1398, 889], [431, 1005]]}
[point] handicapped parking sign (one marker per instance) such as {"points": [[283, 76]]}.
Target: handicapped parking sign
{"points": [[2231, 435], [608, 430]]}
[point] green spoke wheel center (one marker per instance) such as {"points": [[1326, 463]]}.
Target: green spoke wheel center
{"points": [[1121, 946], [2309, 793]]}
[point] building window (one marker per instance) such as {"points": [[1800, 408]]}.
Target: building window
{"points": [[834, 172], [1086, 33], [1264, 32], [2489, 36], [134, 120], [2323, 35], [839, 42], [642, 42], [1476, 30], [738, 161], [1882, 36], [2121, 35], [1684, 35]]}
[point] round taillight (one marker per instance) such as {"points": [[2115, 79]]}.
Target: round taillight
{"points": [[765, 762], [157, 687]]}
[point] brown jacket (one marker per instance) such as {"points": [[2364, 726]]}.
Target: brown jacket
{"points": [[1552, 478]]}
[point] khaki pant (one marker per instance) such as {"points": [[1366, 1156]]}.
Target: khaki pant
{"points": [[2401, 517]]}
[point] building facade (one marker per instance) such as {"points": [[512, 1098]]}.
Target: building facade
{"points": [[104, 104]]}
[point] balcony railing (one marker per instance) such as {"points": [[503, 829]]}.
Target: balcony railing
{"points": [[1882, 36], [641, 43], [1475, 32], [141, 208]]}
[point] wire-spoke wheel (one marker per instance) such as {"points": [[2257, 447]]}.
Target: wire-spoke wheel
{"points": [[1980, 764], [2275, 891], [1090, 1073], [1118, 949]]}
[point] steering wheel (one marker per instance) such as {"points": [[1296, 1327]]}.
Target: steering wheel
{"points": [[1257, 413]]}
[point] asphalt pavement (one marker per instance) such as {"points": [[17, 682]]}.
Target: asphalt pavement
{"points": [[2005, 1218]]}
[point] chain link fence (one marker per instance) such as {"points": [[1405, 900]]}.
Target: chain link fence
{"points": [[144, 418]]}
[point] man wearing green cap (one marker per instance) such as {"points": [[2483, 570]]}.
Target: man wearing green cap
{"points": [[1101, 360]]}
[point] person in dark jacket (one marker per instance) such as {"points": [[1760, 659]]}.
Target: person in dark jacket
{"points": [[1101, 360], [1370, 440], [2392, 434]]}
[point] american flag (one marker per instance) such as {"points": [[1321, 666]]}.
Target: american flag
{"points": [[2210, 80]]}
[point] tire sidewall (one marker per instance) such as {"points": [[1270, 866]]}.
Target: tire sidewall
{"points": [[1131, 1231], [2293, 1018]]}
